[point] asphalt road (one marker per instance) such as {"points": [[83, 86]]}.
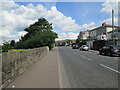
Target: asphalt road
{"points": [[64, 67], [83, 69]]}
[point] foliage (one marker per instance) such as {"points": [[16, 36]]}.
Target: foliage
{"points": [[83, 40], [69, 41], [38, 34], [12, 43], [6, 46], [17, 50]]}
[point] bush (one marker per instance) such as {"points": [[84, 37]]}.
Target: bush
{"points": [[6, 46]]}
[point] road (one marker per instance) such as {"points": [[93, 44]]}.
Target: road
{"points": [[64, 67], [83, 69]]}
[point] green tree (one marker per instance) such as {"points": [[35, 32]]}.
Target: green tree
{"points": [[38, 34], [12, 43], [6, 46]]}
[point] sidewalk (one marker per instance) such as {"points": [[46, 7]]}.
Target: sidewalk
{"points": [[94, 51], [42, 74]]}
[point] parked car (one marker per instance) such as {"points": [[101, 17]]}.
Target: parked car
{"points": [[75, 46], [84, 48], [110, 50]]}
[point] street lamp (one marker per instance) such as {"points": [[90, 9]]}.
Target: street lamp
{"points": [[113, 26]]}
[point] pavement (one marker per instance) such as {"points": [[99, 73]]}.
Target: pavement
{"points": [[64, 67], [42, 74], [94, 51]]}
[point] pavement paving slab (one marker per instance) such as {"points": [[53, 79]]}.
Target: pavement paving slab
{"points": [[42, 74]]}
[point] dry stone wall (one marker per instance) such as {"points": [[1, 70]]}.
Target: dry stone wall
{"points": [[15, 63]]}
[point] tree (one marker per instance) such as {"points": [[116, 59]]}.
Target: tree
{"points": [[38, 34], [12, 43], [6, 46]]}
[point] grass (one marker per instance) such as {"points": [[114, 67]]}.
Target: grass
{"points": [[17, 50]]}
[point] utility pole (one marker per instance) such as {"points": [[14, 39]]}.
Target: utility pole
{"points": [[113, 27]]}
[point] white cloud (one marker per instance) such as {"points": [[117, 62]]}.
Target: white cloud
{"points": [[70, 35], [8, 6], [16, 17], [87, 26], [109, 5], [107, 8], [22, 33], [65, 23], [109, 21]]}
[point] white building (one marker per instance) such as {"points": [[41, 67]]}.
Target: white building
{"points": [[116, 35], [101, 33], [83, 35]]}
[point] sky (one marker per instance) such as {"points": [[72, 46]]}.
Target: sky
{"points": [[68, 18]]}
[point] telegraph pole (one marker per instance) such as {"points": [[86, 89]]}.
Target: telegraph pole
{"points": [[113, 27]]}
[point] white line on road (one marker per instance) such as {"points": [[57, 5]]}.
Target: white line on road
{"points": [[110, 68], [75, 53], [85, 57], [59, 69], [105, 56], [82, 56]]}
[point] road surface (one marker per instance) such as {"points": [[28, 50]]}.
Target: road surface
{"points": [[83, 69], [64, 67]]}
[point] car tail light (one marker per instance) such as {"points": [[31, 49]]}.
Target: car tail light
{"points": [[114, 50]]}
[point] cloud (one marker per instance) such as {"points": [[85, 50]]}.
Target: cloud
{"points": [[65, 23], [87, 26], [107, 8], [16, 17], [109, 5], [70, 35], [8, 6], [22, 33], [109, 21]]}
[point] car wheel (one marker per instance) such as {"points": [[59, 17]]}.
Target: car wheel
{"points": [[111, 54], [100, 53]]}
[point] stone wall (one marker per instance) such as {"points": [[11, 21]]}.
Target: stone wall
{"points": [[15, 63]]}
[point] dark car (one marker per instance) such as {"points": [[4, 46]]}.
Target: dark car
{"points": [[110, 50], [75, 46]]}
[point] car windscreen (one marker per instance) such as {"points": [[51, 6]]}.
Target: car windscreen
{"points": [[116, 47]]}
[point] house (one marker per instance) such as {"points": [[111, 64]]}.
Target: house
{"points": [[92, 34], [83, 34], [101, 33], [116, 35]]}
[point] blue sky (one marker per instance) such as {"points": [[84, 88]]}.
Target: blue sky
{"points": [[68, 18], [82, 12]]}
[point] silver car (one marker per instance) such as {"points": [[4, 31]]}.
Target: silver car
{"points": [[84, 48]]}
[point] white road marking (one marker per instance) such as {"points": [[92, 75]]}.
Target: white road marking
{"points": [[59, 69], [82, 56], [116, 58], [110, 68], [75, 53], [107, 57], [85, 57]]}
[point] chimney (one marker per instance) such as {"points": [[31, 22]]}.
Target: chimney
{"points": [[104, 24]]}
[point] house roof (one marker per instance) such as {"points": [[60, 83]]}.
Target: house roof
{"points": [[104, 25]]}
